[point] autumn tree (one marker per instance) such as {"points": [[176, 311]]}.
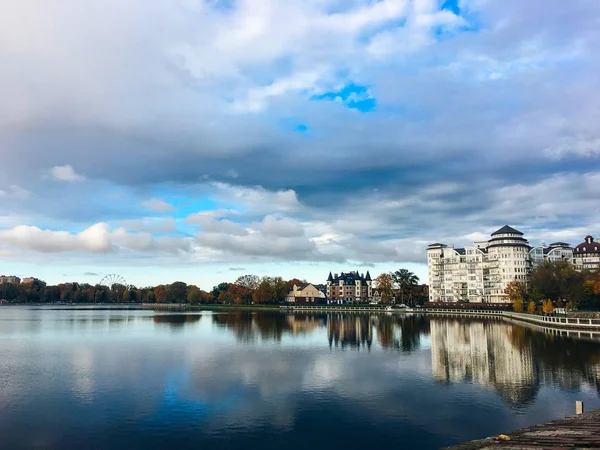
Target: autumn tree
{"points": [[518, 305], [547, 306], [531, 307], [225, 297], [385, 286], [250, 282], [160, 293], [222, 287], [516, 290], [240, 294], [263, 292]]}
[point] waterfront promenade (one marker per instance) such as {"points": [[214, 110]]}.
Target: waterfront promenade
{"points": [[575, 432]]}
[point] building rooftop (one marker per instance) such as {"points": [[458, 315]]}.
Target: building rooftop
{"points": [[507, 230], [589, 246]]}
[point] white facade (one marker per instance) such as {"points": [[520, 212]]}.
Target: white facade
{"points": [[587, 254], [304, 293], [479, 273], [557, 251]]}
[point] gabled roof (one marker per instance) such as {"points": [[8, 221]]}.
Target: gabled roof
{"points": [[368, 277], [507, 230], [330, 277]]}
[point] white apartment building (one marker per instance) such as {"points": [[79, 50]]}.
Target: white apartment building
{"points": [[587, 254], [479, 273], [557, 251]]}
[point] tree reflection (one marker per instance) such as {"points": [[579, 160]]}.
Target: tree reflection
{"points": [[401, 332], [176, 322]]}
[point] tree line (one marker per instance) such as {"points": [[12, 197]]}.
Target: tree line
{"points": [[556, 285], [399, 285], [247, 289]]}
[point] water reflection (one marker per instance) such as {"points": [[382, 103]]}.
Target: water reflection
{"points": [[249, 326], [353, 331], [176, 322], [512, 359], [228, 380]]}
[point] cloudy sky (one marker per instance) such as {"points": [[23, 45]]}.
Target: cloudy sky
{"points": [[198, 140]]}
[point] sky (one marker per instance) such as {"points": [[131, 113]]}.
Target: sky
{"points": [[199, 140]]}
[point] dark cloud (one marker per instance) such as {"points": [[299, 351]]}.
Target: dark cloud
{"points": [[493, 125]]}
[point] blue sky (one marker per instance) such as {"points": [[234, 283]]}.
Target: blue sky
{"points": [[204, 140]]}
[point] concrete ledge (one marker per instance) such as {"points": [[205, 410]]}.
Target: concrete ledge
{"points": [[581, 431]]}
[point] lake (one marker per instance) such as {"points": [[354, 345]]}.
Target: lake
{"points": [[72, 379]]}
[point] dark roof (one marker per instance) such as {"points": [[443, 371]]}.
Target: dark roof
{"points": [[588, 246], [507, 230], [460, 251], [330, 277], [351, 278], [560, 244]]}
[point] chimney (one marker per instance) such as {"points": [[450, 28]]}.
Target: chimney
{"points": [[335, 276], [362, 275]]}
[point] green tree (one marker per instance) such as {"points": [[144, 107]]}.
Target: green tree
{"points": [[177, 292], [194, 295], [557, 281], [222, 287], [405, 280]]}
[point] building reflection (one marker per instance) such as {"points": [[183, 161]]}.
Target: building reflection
{"points": [[353, 331], [350, 330], [513, 360]]}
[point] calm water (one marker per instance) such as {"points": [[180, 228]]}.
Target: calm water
{"points": [[133, 379]]}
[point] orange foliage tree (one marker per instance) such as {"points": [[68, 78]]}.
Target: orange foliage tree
{"points": [[547, 306], [384, 285]]}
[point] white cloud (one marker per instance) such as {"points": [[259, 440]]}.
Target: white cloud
{"points": [[15, 191], [282, 227], [576, 145], [65, 173], [257, 198], [158, 205], [212, 225], [93, 239], [97, 238]]}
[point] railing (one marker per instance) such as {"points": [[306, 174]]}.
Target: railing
{"points": [[574, 322]]}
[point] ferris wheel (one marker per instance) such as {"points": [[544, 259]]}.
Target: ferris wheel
{"points": [[112, 279]]}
